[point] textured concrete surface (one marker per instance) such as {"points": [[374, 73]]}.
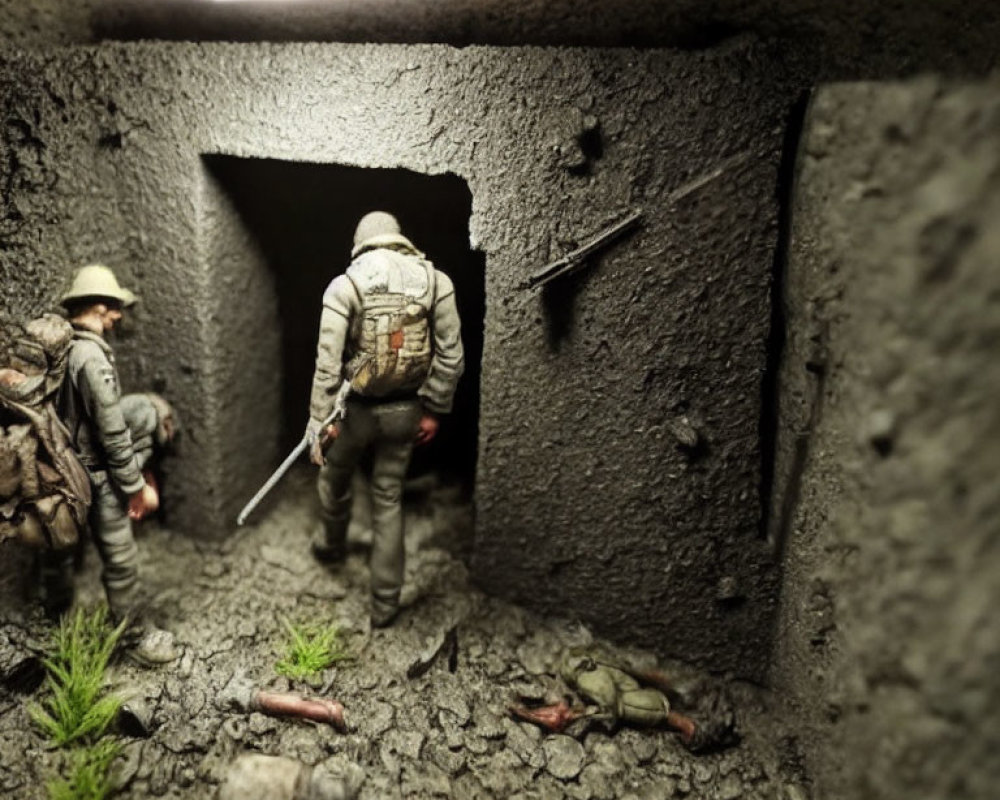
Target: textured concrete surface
{"points": [[887, 454], [426, 701], [582, 488], [847, 38], [889, 649]]}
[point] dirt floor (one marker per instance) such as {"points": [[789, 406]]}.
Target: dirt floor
{"points": [[426, 699]]}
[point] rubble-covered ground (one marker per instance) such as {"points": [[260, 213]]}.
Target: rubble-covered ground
{"points": [[426, 699]]}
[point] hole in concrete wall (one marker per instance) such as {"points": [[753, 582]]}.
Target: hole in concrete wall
{"points": [[302, 217]]}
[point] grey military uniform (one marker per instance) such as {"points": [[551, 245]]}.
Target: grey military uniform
{"points": [[384, 425], [399, 270], [114, 437]]}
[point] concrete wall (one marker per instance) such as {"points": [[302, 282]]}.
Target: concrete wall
{"points": [[586, 504], [888, 648], [240, 315]]}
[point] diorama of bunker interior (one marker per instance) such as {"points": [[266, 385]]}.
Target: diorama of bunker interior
{"points": [[495, 421]]}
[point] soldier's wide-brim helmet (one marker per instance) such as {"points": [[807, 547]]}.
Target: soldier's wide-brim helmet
{"points": [[380, 229], [97, 282]]}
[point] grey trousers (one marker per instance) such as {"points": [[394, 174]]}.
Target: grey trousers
{"points": [[109, 521], [388, 431]]}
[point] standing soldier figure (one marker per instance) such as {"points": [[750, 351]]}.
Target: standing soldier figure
{"points": [[114, 436], [390, 327]]}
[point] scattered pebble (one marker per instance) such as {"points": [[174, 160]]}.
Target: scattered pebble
{"points": [[442, 733], [563, 757]]}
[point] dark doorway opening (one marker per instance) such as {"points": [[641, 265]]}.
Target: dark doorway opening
{"points": [[303, 216]]}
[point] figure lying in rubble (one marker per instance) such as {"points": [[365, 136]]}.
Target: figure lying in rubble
{"points": [[617, 695]]}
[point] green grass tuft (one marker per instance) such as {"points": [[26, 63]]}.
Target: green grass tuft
{"points": [[90, 775], [78, 656], [310, 648]]}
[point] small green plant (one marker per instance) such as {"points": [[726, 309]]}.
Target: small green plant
{"points": [[310, 648], [90, 773], [77, 708]]}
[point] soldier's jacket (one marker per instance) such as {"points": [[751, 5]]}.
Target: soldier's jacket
{"points": [[90, 407], [400, 270], [614, 691]]}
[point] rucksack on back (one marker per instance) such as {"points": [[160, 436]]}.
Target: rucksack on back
{"points": [[44, 489], [391, 347]]}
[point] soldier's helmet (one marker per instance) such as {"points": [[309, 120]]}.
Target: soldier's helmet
{"points": [[376, 223], [381, 229], [97, 282]]}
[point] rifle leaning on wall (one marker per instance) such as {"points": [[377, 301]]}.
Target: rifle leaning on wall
{"points": [[574, 259]]}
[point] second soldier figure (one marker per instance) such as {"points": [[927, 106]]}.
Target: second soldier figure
{"points": [[390, 326], [114, 436]]}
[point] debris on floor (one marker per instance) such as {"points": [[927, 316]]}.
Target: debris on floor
{"points": [[425, 701]]}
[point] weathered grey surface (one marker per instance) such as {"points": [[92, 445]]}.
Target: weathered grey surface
{"points": [[857, 38], [888, 645], [443, 733], [582, 489]]}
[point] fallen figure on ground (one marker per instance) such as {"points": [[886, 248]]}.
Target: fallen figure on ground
{"points": [[619, 694]]}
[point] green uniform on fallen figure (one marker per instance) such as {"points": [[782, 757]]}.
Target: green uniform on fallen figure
{"points": [[619, 694], [390, 327], [114, 436]]}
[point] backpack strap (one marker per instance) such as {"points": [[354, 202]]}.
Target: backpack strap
{"points": [[431, 284], [354, 324]]}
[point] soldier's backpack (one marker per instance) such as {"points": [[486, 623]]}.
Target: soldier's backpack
{"points": [[391, 347], [44, 489]]}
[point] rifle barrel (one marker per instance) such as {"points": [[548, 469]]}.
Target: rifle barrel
{"points": [[276, 476], [337, 414], [569, 261]]}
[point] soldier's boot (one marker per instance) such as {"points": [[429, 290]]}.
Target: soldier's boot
{"points": [[56, 583], [329, 543], [146, 643], [385, 609], [123, 603]]}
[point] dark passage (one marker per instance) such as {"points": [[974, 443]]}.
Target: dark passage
{"points": [[303, 217]]}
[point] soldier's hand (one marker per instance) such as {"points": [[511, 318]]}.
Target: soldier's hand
{"points": [[316, 454], [143, 502], [321, 442], [312, 437], [428, 429]]}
